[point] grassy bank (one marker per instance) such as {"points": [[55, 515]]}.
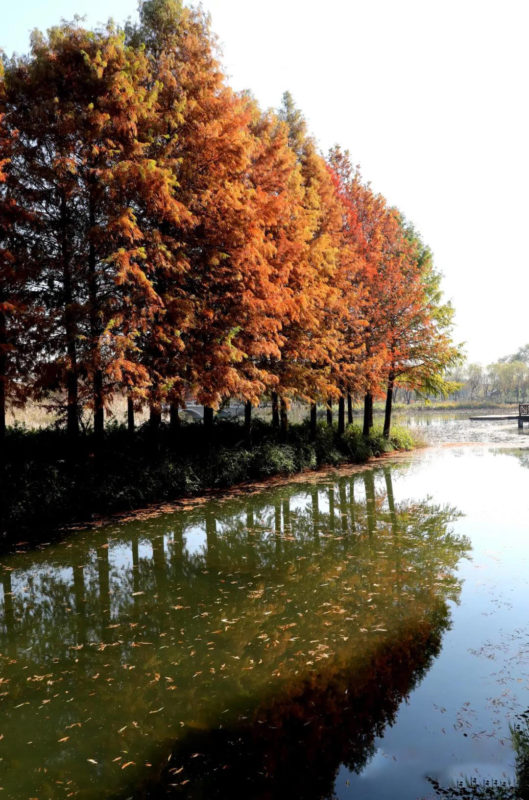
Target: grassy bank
{"points": [[46, 484]]}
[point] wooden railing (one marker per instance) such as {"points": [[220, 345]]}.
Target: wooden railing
{"points": [[524, 409]]}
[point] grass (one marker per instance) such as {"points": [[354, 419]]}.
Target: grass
{"points": [[46, 484], [38, 416]]}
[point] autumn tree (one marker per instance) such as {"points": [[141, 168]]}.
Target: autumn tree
{"points": [[83, 163], [16, 310], [400, 327], [353, 286], [230, 165], [420, 349], [377, 237], [163, 238], [312, 336]]}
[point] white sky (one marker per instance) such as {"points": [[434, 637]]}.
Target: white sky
{"points": [[430, 97]]}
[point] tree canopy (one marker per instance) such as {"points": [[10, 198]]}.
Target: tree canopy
{"points": [[164, 238]]}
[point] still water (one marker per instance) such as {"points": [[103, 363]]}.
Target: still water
{"points": [[350, 636]]}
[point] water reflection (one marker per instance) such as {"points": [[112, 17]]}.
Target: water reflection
{"points": [[265, 634], [294, 745], [472, 788], [521, 455]]}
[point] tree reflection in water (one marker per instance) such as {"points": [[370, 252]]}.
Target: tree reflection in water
{"points": [[294, 746], [274, 635]]}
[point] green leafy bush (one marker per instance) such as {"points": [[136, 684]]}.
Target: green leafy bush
{"points": [[401, 438], [274, 459]]}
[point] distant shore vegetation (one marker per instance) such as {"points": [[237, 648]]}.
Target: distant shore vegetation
{"points": [[503, 381]]}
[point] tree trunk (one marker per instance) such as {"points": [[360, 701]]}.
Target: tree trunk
{"points": [[72, 419], [99, 410], [275, 410], [3, 375], [135, 547], [368, 414], [79, 590], [287, 528], [342, 494], [277, 528], [329, 411], [95, 330], [389, 405], [313, 420], [208, 417], [332, 513], [390, 496], [341, 416], [349, 409], [160, 567], [247, 417], [70, 329], [130, 414], [315, 514], [284, 418], [352, 507], [174, 418], [155, 417]]}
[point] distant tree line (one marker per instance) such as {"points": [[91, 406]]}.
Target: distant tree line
{"points": [[505, 381], [163, 238]]}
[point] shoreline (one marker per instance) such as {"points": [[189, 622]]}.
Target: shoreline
{"points": [[10, 543], [249, 488], [245, 489], [48, 490]]}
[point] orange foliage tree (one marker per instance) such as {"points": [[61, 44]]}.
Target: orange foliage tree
{"points": [[16, 311], [381, 247], [163, 238], [220, 150], [312, 333], [92, 182]]}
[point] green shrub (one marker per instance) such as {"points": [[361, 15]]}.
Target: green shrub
{"points": [[402, 439], [377, 442], [232, 466], [356, 445], [360, 448], [274, 459]]}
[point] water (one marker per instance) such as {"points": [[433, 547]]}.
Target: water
{"points": [[349, 636], [443, 427]]}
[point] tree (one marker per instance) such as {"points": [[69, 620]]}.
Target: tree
{"points": [[223, 155], [474, 380], [312, 335], [522, 354], [379, 241], [353, 287], [396, 326], [420, 345], [83, 163], [16, 312]]}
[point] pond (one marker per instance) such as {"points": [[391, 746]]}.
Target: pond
{"points": [[353, 634], [442, 427]]}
